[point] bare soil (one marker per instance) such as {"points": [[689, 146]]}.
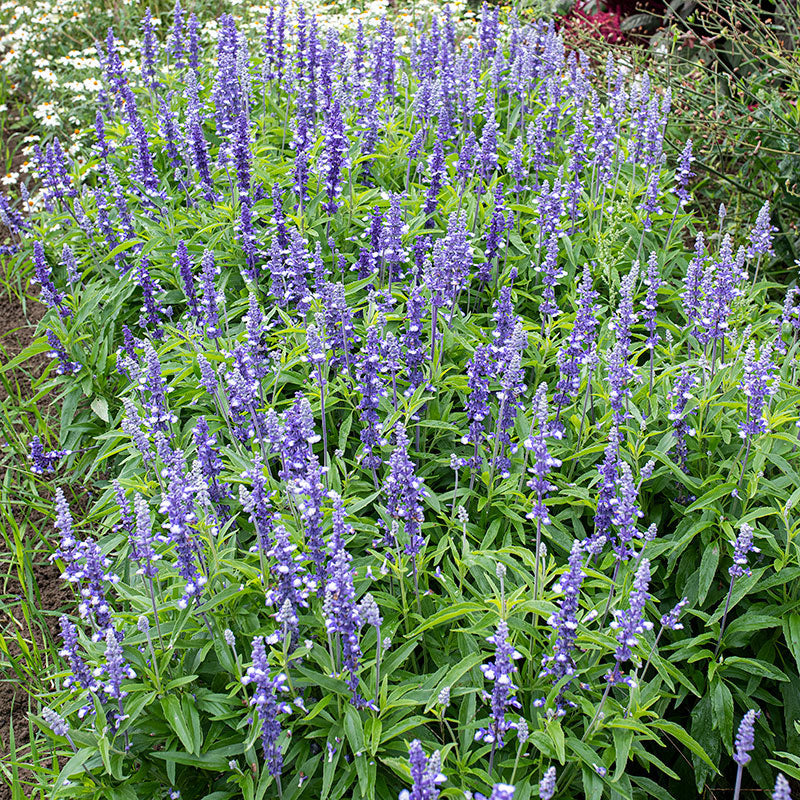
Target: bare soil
{"points": [[17, 331]]}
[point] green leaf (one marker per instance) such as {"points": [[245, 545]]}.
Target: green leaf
{"points": [[100, 407], [707, 571], [755, 666], [622, 746], [789, 769], [791, 632], [592, 784], [445, 615], [709, 498], [684, 738], [354, 729], [556, 735], [722, 712], [178, 720], [215, 761], [72, 767], [68, 407], [121, 248], [652, 789]]}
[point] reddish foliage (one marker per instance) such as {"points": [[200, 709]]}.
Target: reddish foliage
{"points": [[606, 21], [602, 23]]}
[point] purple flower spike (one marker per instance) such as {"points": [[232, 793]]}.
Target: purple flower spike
{"points": [[547, 786], [499, 672], [42, 461], [58, 352], [50, 295], [116, 669], [55, 722], [184, 265], [670, 620], [341, 612], [782, 789], [268, 704], [653, 282], [543, 463], [762, 233], [681, 394], [426, 774], [743, 546], [631, 623], [335, 156], [81, 675], [500, 791], [746, 738], [371, 388], [756, 386], [565, 624], [683, 173]]}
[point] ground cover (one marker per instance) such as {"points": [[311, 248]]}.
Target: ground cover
{"points": [[418, 443]]}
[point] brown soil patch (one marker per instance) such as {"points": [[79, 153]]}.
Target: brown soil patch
{"points": [[17, 332]]}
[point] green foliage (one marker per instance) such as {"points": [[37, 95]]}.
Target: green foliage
{"points": [[187, 720]]}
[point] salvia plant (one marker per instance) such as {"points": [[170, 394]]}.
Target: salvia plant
{"points": [[433, 450]]}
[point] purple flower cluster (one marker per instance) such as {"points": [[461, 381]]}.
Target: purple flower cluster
{"points": [[742, 547], [631, 623], [267, 701], [543, 462], [681, 393], [44, 461], [565, 624], [756, 387], [500, 673], [426, 775]]}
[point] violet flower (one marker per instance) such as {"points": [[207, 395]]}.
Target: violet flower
{"points": [[500, 673], [44, 461], [565, 624], [426, 775], [762, 234], [782, 789], [81, 676], [334, 156], [547, 786], [342, 616], [184, 266], [681, 394], [631, 623], [371, 387], [177, 505], [292, 584], [479, 372], [404, 492], [50, 295], [57, 351], [744, 744], [268, 704]]}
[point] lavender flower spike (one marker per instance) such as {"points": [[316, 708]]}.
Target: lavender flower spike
{"points": [[266, 701], [565, 624], [547, 786], [631, 623], [742, 546], [744, 744], [425, 774], [499, 672], [500, 791], [782, 790], [745, 738], [55, 722]]}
